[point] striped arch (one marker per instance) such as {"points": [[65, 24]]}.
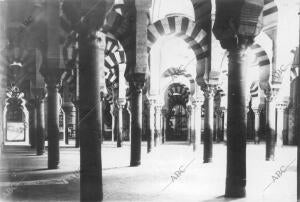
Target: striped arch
{"points": [[294, 73], [263, 62], [184, 28], [270, 15], [178, 93], [114, 56], [177, 72], [254, 90]]}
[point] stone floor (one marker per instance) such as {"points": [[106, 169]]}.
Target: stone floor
{"points": [[24, 176]]}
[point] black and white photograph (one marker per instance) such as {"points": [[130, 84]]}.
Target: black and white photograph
{"points": [[149, 101]]}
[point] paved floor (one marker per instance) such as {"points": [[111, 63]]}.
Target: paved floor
{"points": [[24, 177]]}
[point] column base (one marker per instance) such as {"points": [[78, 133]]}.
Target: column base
{"points": [[270, 158], [235, 188], [135, 164], [40, 153], [52, 167], [209, 160]]}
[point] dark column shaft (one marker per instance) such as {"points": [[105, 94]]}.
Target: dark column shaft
{"points": [[297, 122], [91, 55], [151, 137], [197, 125], [40, 130], [236, 127], [208, 127], [256, 127], [270, 127], [120, 125], [77, 135], [53, 131], [136, 121]]}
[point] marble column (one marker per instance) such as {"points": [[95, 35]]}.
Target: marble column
{"points": [[113, 113], [40, 120], [91, 64], [189, 111], [138, 79], [164, 125], [157, 126], [236, 125], [256, 125], [280, 123], [150, 139], [52, 78], [91, 54], [76, 103], [197, 123], [218, 114], [101, 110], [270, 125], [225, 125], [136, 122], [208, 124], [31, 107], [129, 120], [120, 135]]}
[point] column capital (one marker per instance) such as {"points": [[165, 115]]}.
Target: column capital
{"points": [[164, 111], [121, 102], [218, 111], [271, 94], [197, 103], [39, 93], [209, 91], [257, 111], [151, 101], [97, 38], [281, 106], [52, 76], [136, 86]]}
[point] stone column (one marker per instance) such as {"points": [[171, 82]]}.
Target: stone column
{"points": [[91, 66], [31, 107], [208, 123], [218, 113], [136, 122], [270, 125], [129, 120], [150, 139], [280, 123], [197, 123], [164, 125], [236, 127], [189, 125], [157, 126], [236, 33], [76, 103], [101, 110], [91, 54], [121, 104], [40, 120], [138, 78], [52, 78], [225, 125], [113, 113], [256, 125]]}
